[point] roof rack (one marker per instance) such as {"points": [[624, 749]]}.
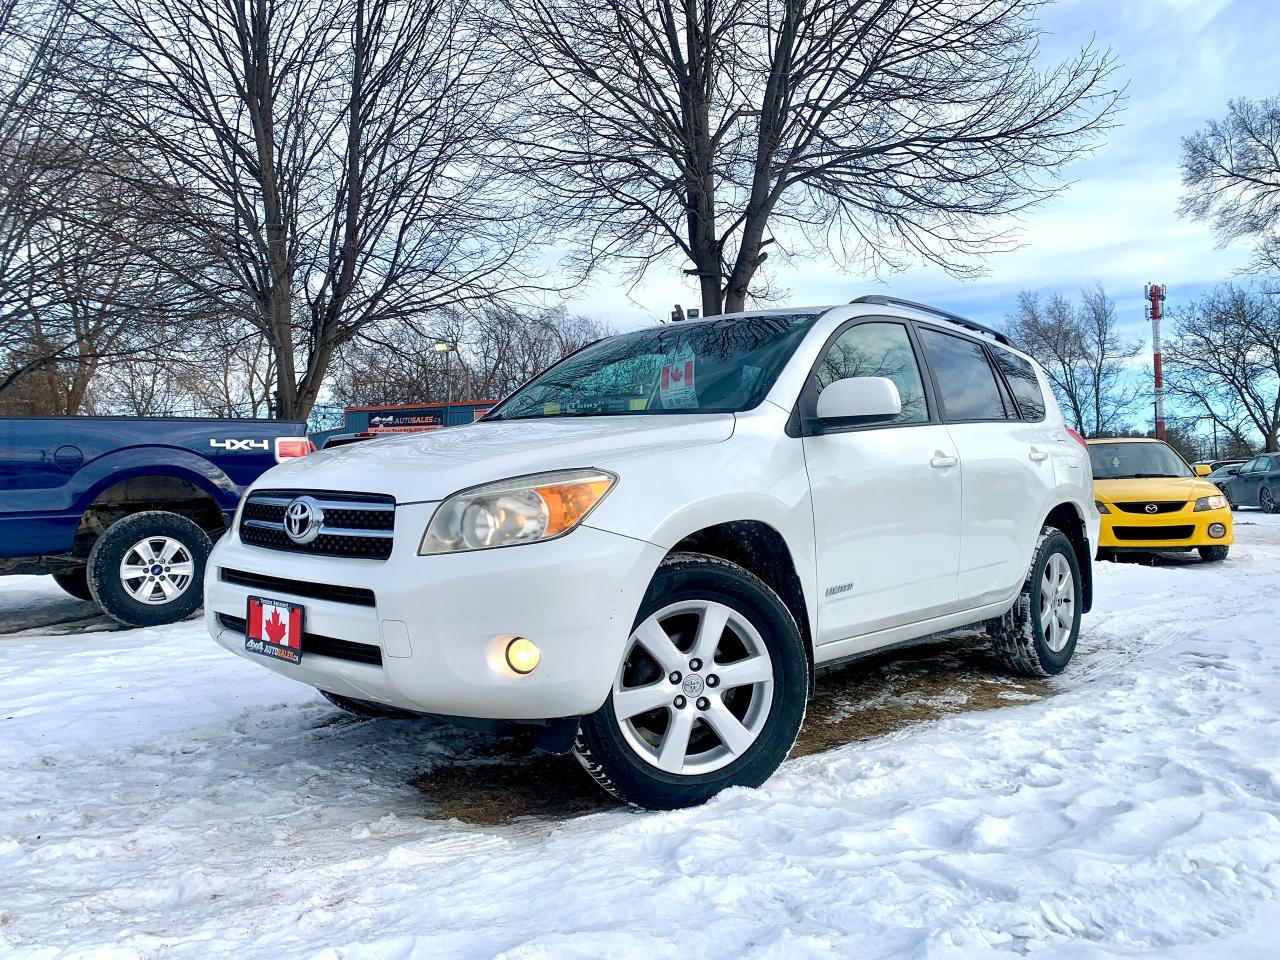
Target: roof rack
{"points": [[954, 318]]}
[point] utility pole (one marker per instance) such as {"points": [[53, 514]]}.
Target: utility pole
{"points": [[442, 346], [1155, 306]]}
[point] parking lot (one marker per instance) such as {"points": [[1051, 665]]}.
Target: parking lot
{"points": [[166, 799]]}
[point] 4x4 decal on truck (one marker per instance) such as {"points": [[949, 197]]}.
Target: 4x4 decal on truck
{"points": [[233, 444]]}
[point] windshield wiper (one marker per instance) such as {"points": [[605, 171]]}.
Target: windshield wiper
{"points": [[1144, 476]]}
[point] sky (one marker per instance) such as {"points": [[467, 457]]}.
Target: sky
{"points": [[1117, 224]]}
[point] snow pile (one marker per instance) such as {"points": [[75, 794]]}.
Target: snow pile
{"points": [[162, 798]]}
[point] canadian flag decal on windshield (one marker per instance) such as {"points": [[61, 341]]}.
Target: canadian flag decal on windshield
{"points": [[674, 374]]}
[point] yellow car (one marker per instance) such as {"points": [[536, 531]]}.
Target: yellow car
{"points": [[1151, 500]]}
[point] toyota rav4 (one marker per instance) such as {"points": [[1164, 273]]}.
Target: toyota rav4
{"points": [[645, 551]]}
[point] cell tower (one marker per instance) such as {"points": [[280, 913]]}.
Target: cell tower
{"points": [[1155, 307]]}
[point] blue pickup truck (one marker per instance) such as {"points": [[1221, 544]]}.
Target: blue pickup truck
{"points": [[124, 510]]}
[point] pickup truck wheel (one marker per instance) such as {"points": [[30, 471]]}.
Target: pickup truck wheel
{"points": [[148, 568], [711, 691], [1038, 636], [75, 583]]}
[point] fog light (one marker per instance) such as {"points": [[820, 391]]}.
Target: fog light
{"points": [[523, 655], [1215, 530]]}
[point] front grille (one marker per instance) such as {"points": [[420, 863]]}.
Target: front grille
{"points": [[359, 596], [1161, 506], [1181, 532], [358, 525], [314, 645]]}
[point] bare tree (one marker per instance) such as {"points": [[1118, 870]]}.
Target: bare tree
{"points": [[493, 350], [1231, 177], [1087, 361], [713, 131], [1224, 361], [326, 154]]}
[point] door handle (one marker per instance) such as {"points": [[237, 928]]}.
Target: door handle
{"points": [[941, 463], [1037, 456]]}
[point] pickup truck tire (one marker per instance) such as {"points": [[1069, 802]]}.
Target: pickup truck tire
{"points": [[677, 729], [1037, 638], [148, 568], [75, 583]]}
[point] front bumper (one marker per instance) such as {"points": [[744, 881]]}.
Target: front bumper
{"points": [[440, 624], [1164, 531]]}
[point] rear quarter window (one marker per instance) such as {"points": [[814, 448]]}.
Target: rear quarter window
{"points": [[1024, 383], [965, 378]]}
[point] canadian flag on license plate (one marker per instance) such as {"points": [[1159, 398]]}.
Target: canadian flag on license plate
{"points": [[275, 622]]}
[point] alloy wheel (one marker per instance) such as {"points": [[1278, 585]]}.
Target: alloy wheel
{"points": [[157, 570], [1057, 603], [695, 687]]}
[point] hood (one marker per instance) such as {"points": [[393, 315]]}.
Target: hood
{"points": [[1153, 488], [414, 467]]}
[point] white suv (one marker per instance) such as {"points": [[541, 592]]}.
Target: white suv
{"points": [[645, 551]]}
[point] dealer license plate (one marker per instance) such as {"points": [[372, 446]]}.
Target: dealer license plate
{"points": [[273, 628]]}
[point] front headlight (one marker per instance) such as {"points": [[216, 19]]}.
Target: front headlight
{"points": [[1215, 502], [511, 512], [1102, 507]]}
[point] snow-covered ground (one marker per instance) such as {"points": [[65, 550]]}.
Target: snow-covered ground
{"points": [[159, 798]]}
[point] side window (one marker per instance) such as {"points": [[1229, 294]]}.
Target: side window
{"points": [[1252, 465], [965, 379], [1022, 380], [877, 350]]}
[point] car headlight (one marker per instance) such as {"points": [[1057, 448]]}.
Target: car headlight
{"points": [[512, 512], [1215, 502], [1102, 507]]}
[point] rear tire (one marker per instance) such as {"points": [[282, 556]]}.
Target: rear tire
{"points": [[1215, 554], [1267, 501], [76, 583], [1038, 636], [148, 568], [367, 708], [711, 692]]}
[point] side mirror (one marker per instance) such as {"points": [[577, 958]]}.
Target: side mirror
{"points": [[860, 400], [1233, 471], [1203, 469]]}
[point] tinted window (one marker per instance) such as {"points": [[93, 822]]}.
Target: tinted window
{"points": [[877, 350], [713, 366], [1114, 461], [1252, 465], [967, 383], [1022, 380]]}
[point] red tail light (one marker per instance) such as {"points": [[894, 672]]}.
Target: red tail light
{"points": [[287, 448], [1078, 439]]}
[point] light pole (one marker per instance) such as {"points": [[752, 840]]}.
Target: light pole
{"points": [[443, 346]]}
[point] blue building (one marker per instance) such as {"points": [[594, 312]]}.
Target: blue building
{"points": [[406, 418]]}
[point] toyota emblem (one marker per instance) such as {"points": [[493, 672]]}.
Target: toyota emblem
{"points": [[303, 519], [1151, 508]]}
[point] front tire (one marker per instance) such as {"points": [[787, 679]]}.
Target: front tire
{"points": [[1214, 554], [75, 583], [711, 691], [148, 568], [1038, 636]]}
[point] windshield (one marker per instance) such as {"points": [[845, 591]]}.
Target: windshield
{"points": [[1113, 461], [716, 366]]}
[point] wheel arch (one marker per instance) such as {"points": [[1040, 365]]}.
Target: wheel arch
{"points": [[760, 548], [1068, 518], [163, 487]]}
